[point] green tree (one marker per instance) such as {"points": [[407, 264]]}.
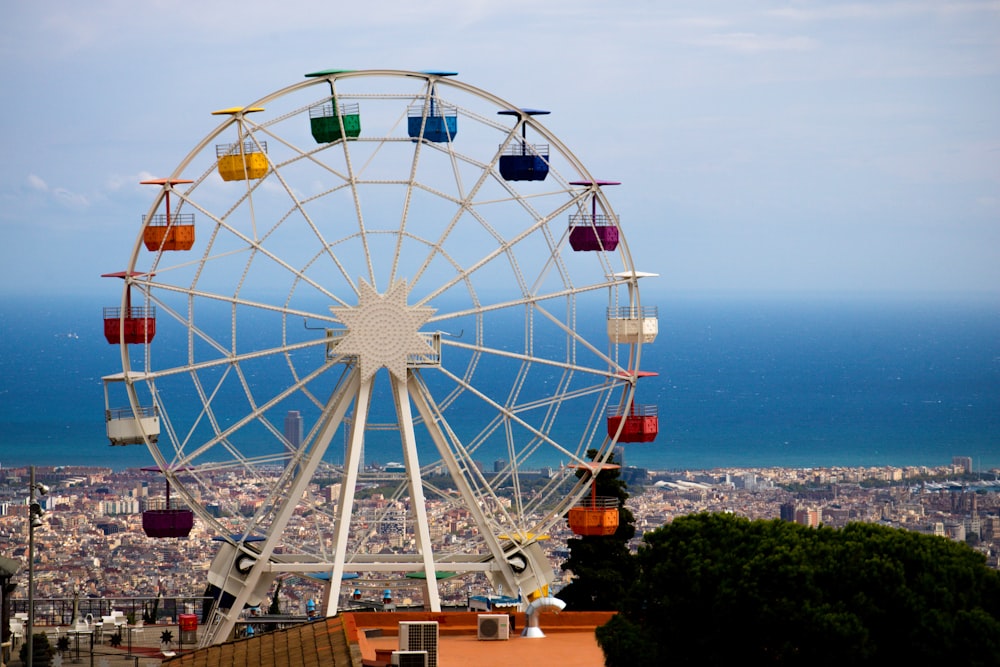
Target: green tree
{"points": [[602, 566], [41, 651], [715, 589], [626, 644]]}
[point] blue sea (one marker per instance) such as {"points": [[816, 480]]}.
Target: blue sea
{"points": [[743, 381]]}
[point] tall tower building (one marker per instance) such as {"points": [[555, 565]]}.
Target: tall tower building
{"points": [[963, 462], [293, 432], [293, 428]]}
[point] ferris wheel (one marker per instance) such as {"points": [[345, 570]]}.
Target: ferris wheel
{"points": [[373, 324]]}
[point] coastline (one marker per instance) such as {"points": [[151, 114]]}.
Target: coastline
{"points": [[794, 474]]}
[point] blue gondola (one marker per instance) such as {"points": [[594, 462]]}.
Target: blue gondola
{"points": [[519, 160], [440, 125]]}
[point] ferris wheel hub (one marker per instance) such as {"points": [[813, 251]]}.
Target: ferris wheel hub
{"points": [[382, 330]]}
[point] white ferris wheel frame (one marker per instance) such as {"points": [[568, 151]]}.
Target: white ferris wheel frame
{"points": [[505, 532]]}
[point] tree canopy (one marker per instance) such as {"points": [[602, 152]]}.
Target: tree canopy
{"points": [[602, 566], [717, 589]]}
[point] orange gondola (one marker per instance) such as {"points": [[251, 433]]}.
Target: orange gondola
{"points": [[595, 515], [166, 231]]}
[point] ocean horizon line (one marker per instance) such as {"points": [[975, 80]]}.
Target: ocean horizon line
{"points": [[993, 469]]}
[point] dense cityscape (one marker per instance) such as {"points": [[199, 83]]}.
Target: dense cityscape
{"points": [[92, 543]]}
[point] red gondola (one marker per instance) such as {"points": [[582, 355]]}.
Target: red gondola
{"points": [[133, 325], [640, 423]]}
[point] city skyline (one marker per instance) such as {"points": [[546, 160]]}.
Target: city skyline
{"points": [[89, 532]]}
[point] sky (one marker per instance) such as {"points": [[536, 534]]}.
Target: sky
{"points": [[803, 147]]}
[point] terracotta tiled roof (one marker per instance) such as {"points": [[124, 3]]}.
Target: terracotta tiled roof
{"points": [[367, 639], [318, 644]]}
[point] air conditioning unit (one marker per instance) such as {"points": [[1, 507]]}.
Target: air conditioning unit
{"points": [[409, 658], [494, 627], [420, 636]]}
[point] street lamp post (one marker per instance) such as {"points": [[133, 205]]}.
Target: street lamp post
{"points": [[35, 513]]}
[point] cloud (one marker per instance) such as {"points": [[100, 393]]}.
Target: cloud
{"points": [[78, 201], [748, 42], [62, 29], [882, 11], [62, 196], [118, 182], [70, 199], [887, 101], [700, 22], [37, 183]]}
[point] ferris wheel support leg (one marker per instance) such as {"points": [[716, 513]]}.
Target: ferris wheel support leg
{"points": [[432, 419], [334, 412], [328, 592], [345, 505], [417, 501]]}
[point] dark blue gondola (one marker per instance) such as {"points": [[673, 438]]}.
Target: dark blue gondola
{"points": [[519, 160]]}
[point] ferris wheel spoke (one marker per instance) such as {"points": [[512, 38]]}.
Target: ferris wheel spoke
{"points": [[205, 413], [518, 356], [494, 255], [566, 389], [231, 359], [252, 247], [508, 415], [523, 300], [298, 207], [224, 435], [206, 296], [465, 204], [472, 484]]}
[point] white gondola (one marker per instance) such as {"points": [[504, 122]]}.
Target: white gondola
{"points": [[632, 323], [126, 426]]}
